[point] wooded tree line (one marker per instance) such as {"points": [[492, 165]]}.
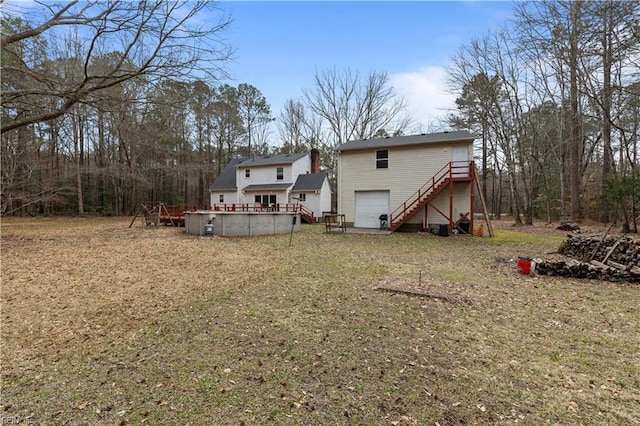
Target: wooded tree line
{"points": [[105, 113], [555, 96], [106, 105]]}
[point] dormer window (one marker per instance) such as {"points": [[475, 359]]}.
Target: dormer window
{"points": [[280, 173], [382, 159]]}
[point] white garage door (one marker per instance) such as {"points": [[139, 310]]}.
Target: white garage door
{"points": [[369, 206]]}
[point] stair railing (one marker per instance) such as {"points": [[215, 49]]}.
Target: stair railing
{"points": [[453, 169], [304, 211], [400, 212]]}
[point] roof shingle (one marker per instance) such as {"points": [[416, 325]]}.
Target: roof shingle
{"points": [[309, 182], [269, 160], [267, 187], [423, 139], [227, 179]]}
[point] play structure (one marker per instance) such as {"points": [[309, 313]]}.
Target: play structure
{"points": [[160, 214]]}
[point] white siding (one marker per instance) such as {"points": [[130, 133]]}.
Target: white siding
{"points": [[325, 198], [300, 167], [409, 169], [460, 205], [268, 174], [318, 203], [260, 175], [230, 197], [263, 174], [312, 203]]}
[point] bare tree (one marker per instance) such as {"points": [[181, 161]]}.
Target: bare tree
{"points": [[353, 107], [150, 39], [558, 33], [299, 130]]}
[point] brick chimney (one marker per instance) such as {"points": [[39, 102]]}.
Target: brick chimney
{"points": [[315, 161]]}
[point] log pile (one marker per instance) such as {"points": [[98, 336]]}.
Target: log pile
{"points": [[569, 227], [599, 257]]}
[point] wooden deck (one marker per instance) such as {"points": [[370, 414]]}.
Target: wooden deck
{"points": [[305, 214]]}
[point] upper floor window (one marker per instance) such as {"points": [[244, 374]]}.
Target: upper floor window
{"points": [[247, 173], [382, 159], [280, 173], [302, 197], [221, 198]]}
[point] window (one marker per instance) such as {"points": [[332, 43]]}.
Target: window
{"points": [[382, 159], [247, 173], [265, 200], [280, 173], [302, 197], [221, 198]]}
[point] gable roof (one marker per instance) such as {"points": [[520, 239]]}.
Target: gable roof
{"points": [[309, 182], [269, 160], [423, 139], [267, 187], [227, 179]]}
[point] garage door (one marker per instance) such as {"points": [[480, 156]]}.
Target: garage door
{"points": [[369, 206]]}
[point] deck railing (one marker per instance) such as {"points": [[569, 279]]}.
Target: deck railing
{"points": [[305, 212], [257, 207]]}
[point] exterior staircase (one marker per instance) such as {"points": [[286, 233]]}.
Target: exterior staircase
{"points": [[451, 172], [307, 215]]}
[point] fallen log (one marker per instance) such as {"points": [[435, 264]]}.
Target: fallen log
{"points": [[598, 264], [569, 227], [617, 265], [417, 293]]}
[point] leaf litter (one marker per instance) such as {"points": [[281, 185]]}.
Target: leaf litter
{"points": [[103, 324]]}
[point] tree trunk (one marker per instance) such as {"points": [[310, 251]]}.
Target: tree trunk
{"points": [[100, 163], [484, 157], [576, 142], [77, 131], [608, 165]]}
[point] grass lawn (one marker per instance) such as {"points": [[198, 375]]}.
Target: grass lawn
{"points": [[105, 324]]}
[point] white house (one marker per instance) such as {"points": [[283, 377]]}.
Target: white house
{"points": [[420, 182], [280, 182], [312, 190]]}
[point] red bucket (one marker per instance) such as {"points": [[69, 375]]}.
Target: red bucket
{"points": [[524, 266]]}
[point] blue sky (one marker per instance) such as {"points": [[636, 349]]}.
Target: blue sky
{"points": [[280, 45]]}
